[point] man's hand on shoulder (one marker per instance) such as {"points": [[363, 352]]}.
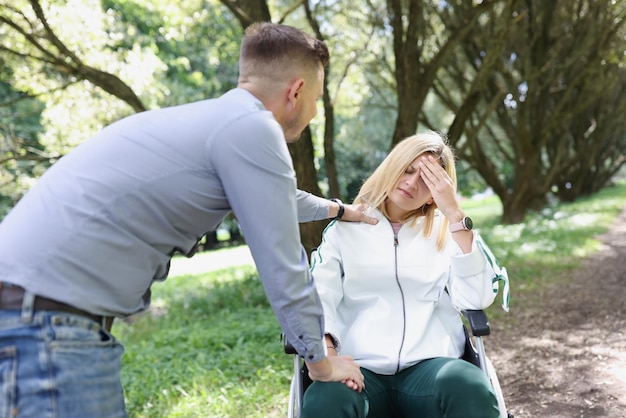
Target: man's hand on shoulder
{"points": [[356, 213]]}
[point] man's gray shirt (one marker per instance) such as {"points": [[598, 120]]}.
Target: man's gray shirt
{"points": [[103, 222]]}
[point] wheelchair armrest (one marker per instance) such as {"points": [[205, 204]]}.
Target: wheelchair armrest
{"points": [[289, 349], [478, 322]]}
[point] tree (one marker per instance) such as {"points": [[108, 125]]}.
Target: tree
{"points": [[529, 92], [166, 53], [197, 42], [528, 123], [420, 53], [599, 142], [54, 56]]}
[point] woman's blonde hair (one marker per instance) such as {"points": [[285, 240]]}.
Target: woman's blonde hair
{"points": [[385, 178]]}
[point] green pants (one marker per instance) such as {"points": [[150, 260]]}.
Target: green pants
{"points": [[440, 387]]}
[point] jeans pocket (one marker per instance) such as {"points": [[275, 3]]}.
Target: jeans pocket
{"points": [[87, 377], [70, 332], [8, 381], [87, 364]]}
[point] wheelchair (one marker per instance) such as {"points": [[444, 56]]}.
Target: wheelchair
{"points": [[474, 353]]}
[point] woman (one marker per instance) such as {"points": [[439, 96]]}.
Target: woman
{"points": [[391, 294]]}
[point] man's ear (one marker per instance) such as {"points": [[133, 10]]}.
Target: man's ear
{"points": [[295, 90]]}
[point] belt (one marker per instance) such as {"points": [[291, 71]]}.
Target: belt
{"points": [[11, 297]]}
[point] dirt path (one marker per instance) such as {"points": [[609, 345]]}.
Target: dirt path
{"points": [[564, 354]]}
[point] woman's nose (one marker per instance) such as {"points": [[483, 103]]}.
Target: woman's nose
{"points": [[413, 180]]}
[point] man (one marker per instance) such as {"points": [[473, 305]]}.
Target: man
{"points": [[86, 243]]}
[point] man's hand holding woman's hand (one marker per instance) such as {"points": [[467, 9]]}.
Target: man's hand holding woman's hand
{"points": [[336, 368]]}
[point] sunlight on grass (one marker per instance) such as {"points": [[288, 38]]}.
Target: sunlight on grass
{"points": [[230, 398]]}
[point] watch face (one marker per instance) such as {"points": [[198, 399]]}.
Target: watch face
{"points": [[468, 223]]}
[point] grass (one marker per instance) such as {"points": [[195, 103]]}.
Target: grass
{"points": [[209, 347], [210, 343]]}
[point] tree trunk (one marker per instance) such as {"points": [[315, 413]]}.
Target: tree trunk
{"points": [[302, 154], [329, 118], [329, 145]]}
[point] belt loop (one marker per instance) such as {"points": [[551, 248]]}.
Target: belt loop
{"points": [[28, 304]]}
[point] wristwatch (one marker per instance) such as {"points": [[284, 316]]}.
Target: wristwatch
{"points": [[342, 209], [464, 224]]}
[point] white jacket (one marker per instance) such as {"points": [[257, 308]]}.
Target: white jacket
{"points": [[385, 299]]}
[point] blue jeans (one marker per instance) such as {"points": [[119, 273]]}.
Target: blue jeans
{"points": [[58, 365], [439, 387]]}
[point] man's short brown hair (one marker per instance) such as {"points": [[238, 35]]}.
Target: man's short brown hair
{"points": [[272, 50]]}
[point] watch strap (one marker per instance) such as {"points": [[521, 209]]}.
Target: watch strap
{"points": [[342, 208], [462, 225]]}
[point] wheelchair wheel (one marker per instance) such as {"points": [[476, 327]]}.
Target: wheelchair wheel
{"points": [[491, 373]]}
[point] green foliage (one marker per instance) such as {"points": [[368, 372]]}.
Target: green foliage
{"points": [[167, 52], [74, 108], [359, 149], [22, 157], [548, 113], [209, 345], [196, 40]]}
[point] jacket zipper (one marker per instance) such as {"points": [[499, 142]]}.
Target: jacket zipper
{"points": [[395, 249]]}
